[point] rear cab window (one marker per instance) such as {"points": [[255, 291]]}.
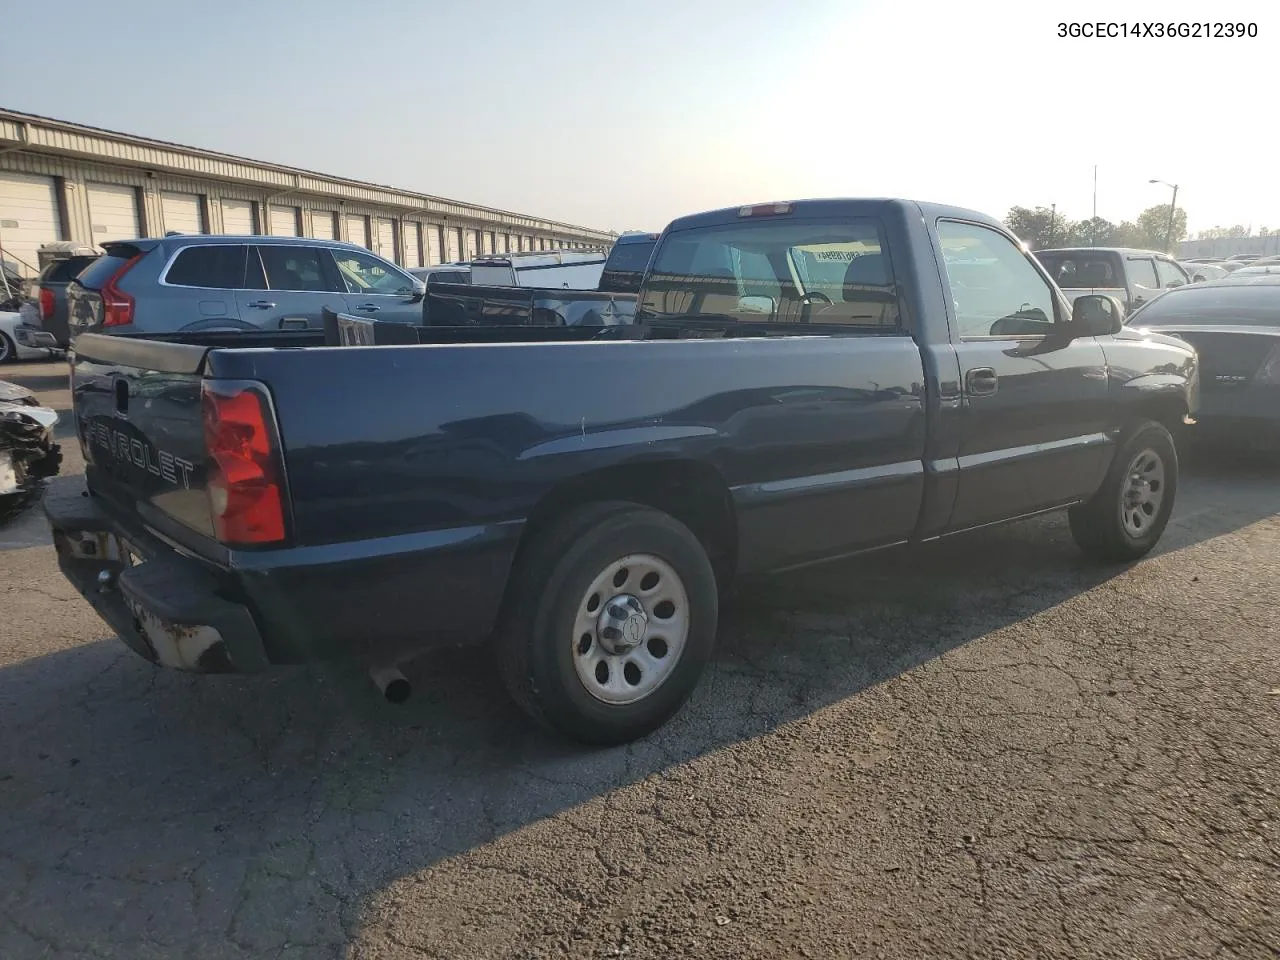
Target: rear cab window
{"points": [[624, 269], [821, 272], [1077, 270]]}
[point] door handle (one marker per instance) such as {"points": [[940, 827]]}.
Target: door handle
{"points": [[260, 304], [369, 307], [981, 381]]}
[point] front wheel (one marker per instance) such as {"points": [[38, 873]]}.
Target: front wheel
{"points": [[611, 621], [8, 352], [1124, 520]]}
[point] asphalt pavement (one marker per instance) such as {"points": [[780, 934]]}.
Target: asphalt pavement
{"points": [[984, 748]]}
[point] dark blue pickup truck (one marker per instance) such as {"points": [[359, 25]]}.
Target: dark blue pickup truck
{"points": [[802, 381]]}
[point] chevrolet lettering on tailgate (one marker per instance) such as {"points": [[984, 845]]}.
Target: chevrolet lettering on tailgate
{"points": [[127, 449]]}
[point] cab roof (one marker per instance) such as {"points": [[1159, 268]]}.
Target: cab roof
{"points": [[839, 207]]}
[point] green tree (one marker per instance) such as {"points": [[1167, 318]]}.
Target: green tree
{"points": [[1095, 232], [1154, 224], [1128, 234], [1039, 227]]}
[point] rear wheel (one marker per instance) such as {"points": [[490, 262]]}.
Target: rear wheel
{"points": [[610, 622], [8, 352], [1126, 517]]}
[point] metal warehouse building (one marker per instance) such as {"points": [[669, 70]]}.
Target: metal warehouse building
{"points": [[64, 181]]}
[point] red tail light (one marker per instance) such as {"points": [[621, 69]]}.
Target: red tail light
{"points": [[246, 496], [46, 303], [117, 306]]}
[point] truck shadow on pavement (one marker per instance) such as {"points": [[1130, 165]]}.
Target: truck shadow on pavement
{"points": [[230, 816]]}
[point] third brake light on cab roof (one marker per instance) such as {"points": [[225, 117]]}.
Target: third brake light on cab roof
{"points": [[766, 210]]}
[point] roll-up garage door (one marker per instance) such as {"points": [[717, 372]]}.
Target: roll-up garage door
{"points": [[387, 239], [28, 219], [434, 245], [237, 218], [284, 222], [181, 212], [324, 225], [412, 244], [454, 237], [491, 242], [358, 231], [113, 212]]}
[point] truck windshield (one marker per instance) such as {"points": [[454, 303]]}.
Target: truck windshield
{"points": [[780, 271]]}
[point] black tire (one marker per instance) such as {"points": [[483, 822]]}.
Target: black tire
{"points": [[1099, 525], [537, 637], [8, 351]]}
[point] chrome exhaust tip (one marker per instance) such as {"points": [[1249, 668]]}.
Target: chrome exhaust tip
{"points": [[393, 684]]}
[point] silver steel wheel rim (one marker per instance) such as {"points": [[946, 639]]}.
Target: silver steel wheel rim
{"points": [[1143, 494], [631, 629], [5, 349]]}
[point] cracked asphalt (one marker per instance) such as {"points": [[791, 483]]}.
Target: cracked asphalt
{"points": [[986, 748]]}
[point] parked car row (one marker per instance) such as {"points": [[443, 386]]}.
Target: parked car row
{"points": [[198, 283]]}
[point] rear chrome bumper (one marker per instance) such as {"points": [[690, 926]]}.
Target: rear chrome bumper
{"points": [[164, 606]]}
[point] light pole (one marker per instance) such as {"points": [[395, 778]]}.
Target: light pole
{"points": [[1173, 206]]}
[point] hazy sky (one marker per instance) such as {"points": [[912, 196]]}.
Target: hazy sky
{"points": [[622, 115]]}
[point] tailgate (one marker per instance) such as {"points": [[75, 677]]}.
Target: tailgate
{"points": [[138, 415]]}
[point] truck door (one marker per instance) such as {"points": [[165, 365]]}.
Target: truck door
{"points": [[1034, 402]]}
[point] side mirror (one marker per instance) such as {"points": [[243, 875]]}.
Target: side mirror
{"points": [[1096, 315], [419, 291]]}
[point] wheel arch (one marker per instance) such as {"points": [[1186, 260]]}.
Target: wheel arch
{"points": [[691, 491]]}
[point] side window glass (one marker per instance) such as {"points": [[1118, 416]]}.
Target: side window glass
{"points": [[994, 287], [254, 278], [215, 267], [365, 274], [1142, 276], [1169, 274], [295, 268]]}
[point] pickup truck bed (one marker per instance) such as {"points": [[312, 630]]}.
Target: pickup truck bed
{"points": [[582, 504]]}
